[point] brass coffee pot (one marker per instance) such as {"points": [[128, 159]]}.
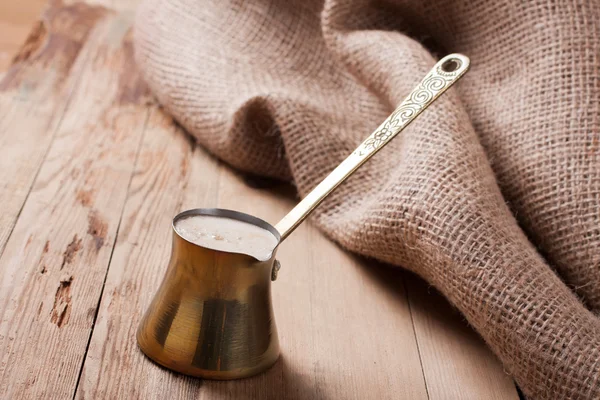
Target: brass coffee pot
{"points": [[212, 316]]}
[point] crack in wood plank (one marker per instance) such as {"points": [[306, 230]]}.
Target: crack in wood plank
{"points": [[61, 310], [97, 228], [70, 251], [85, 197], [36, 39], [55, 41]]}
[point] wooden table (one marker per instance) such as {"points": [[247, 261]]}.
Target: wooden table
{"points": [[92, 172]]}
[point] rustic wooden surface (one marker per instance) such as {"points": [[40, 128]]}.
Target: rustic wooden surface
{"points": [[92, 171], [16, 18]]}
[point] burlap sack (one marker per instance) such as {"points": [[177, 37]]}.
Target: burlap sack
{"points": [[287, 89]]}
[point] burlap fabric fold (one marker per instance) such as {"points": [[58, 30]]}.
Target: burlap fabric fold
{"points": [[489, 195]]}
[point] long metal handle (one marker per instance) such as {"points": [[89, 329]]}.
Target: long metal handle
{"points": [[443, 75]]}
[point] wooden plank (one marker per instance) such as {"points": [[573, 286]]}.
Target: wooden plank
{"points": [[54, 264], [16, 20], [140, 256], [18, 17], [33, 96], [456, 362]]}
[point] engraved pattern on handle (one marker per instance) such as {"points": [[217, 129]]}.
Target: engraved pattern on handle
{"points": [[445, 73], [434, 84]]}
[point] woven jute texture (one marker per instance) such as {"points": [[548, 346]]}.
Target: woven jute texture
{"points": [[492, 195]]}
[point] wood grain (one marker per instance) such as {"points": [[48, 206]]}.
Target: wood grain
{"points": [[34, 95], [456, 362], [98, 173], [16, 20], [140, 256], [54, 264]]}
